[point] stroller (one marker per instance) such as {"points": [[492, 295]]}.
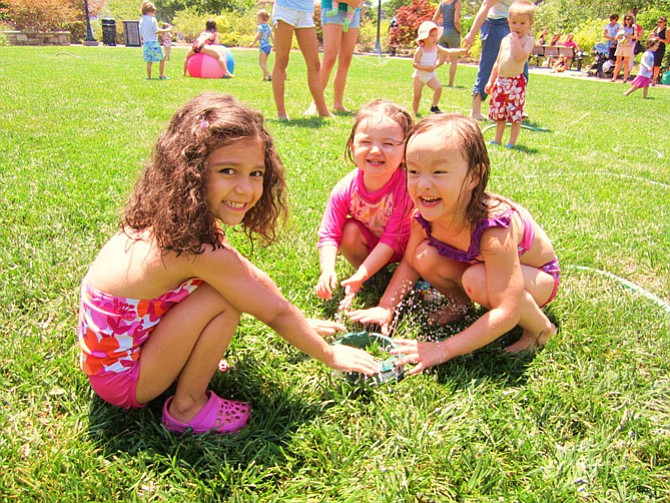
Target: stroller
{"points": [[602, 66]]}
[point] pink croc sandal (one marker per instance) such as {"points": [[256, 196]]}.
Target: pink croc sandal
{"points": [[218, 415]]}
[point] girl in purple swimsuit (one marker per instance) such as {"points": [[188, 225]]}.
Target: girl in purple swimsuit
{"points": [[473, 246], [163, 298]]}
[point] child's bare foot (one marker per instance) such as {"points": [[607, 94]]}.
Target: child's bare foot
{"points": [[530, 342]]}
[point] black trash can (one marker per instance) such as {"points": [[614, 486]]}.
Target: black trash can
{"points": [[131, 33], [108, 32]]}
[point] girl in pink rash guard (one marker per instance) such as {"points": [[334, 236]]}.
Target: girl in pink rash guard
{"points": [[367, 217]]}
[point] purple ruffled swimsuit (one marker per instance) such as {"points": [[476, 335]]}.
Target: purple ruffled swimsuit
{"points": [[503, 220]]}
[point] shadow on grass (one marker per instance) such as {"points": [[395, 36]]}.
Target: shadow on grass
{"points": [[277, 411], [412, 320], [304, 122]]}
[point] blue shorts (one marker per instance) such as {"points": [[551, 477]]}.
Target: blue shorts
{"points": [[339, 18], [152, 52], [267, 49]]}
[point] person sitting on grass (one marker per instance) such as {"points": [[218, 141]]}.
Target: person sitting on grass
{"points": [[367, 217], [471, 245], [163, 298], [561, 64]]}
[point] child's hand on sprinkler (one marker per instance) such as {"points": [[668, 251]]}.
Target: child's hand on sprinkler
{"points": [[423, 354]]}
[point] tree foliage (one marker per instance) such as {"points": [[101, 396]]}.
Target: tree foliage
{"points": [[409, 18], [168, 8], [40, 15], [50, 15]]}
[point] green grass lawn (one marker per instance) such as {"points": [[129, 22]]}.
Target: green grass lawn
{"points": [[586, 419]]}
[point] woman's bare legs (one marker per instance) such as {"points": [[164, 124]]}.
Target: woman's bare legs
{"points": [[344, 56], [309, 46], [452, 70], [187, 345], [283, 36]]}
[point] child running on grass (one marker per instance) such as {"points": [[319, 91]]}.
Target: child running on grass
{"points": [[367, 218], [265, 40], [162, 300], [507, 84], [473, 246], [427, 57], [644, 76]]}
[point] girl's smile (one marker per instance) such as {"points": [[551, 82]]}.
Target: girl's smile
{"points": [[438, 178], [377, 150], [235, 179]]}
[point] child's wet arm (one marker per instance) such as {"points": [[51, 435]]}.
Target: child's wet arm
{"points": [[327, 257], [378, 258], [405, 275]]}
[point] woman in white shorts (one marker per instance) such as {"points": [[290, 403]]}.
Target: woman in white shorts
{"points": [[626, 37], [289, 16]]}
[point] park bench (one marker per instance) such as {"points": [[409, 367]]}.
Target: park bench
{"points": [[553, 52]]}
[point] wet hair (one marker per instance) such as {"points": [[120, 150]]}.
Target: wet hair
{"points": [[210, 25], [520, 8], [170, 197], [377, 109], [465, 133], [148, 7], [263, 14]]}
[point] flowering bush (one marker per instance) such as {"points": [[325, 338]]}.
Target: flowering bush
{"points": [[409, 18]]}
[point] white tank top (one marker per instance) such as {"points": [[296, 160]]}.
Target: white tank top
{"points": [[500, 10]]}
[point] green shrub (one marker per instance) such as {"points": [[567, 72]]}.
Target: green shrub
{"points": [[367, 37], [188, 23], [234, 29], [648, 19]]}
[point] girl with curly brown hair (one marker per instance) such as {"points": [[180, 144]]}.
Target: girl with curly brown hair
{"points": [[164, 296]]}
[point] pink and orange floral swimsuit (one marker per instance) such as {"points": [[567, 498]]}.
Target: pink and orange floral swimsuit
{"points": [[112, 330]]}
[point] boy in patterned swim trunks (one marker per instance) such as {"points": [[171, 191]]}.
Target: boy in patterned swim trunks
{"points": [[151, 49], [507, 84]]}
